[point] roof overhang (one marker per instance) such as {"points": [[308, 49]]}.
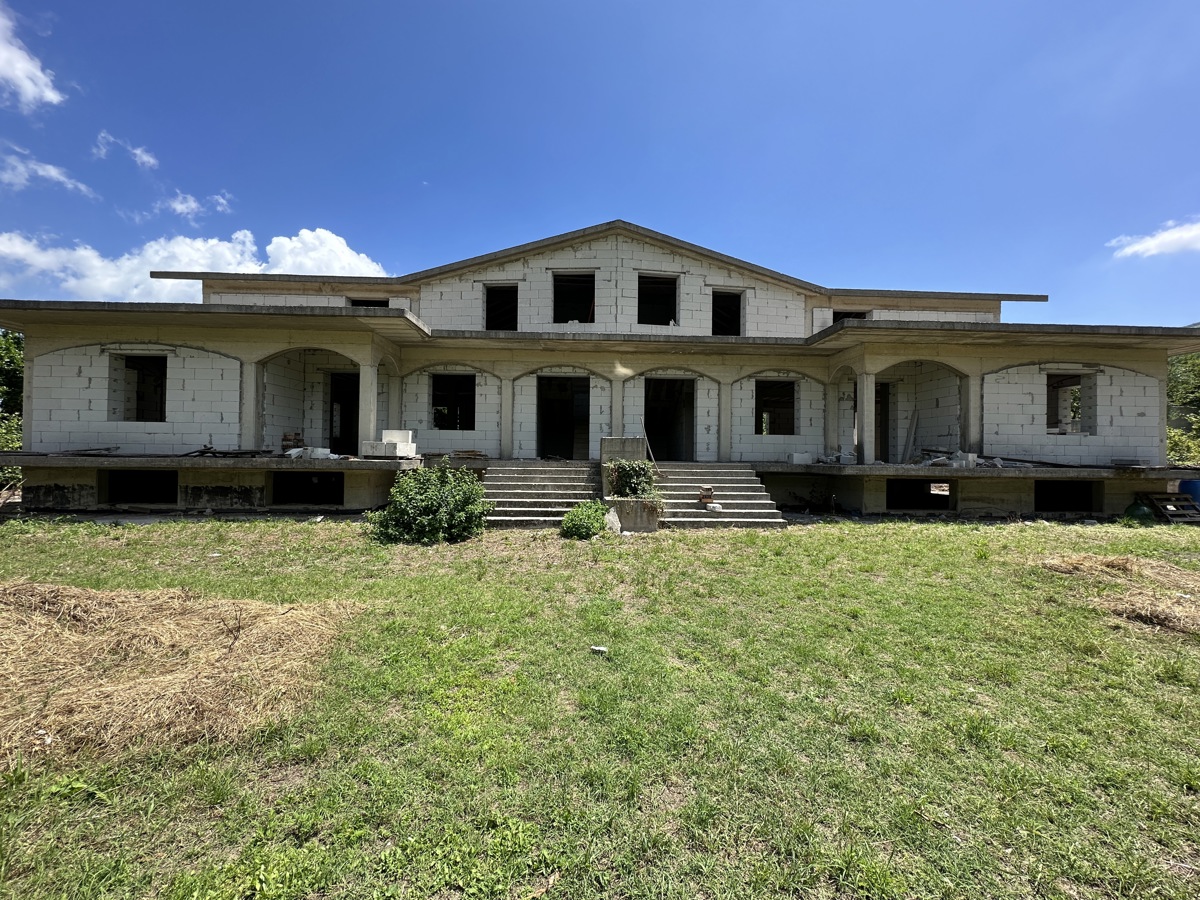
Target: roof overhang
{"points": [[397, 325], [856, 332]]}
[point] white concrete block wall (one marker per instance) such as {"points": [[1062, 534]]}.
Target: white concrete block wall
{"points": [[937, 399], [846, 414], [929, 315], [283, 398], [707, 409], [809, 420], [72, 391], [1126, 410], [525, 431], [417, 414]]}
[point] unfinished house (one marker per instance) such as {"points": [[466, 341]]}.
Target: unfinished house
{"points": [[867, 400]]}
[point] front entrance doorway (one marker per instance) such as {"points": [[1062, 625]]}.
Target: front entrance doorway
{"points": [[671, 418], [343, 413], [563, 416]]}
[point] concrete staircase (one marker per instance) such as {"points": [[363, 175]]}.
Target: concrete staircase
{"points": [[535, 493], [744, 501]]}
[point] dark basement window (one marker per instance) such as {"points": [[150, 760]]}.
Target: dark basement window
{"points": [[500, 307], [574, 297], [657, 299]]}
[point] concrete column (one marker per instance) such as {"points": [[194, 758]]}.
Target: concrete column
{"points": [[250, 409], [618, 407], [368, 391], [724, 421], [970, 414], [832, 420], [395, 402], [865, 419], [506, 418]]}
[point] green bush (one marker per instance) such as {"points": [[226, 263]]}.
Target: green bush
{"points": [[584, 520], [428, 506], [10, 439], [1183, 445], [631, 478]]}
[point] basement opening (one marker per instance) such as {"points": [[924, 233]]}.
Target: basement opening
{"points": [[500, 307], [143, 487], [308, 489], [563, 416], [657, 300], [671, 418], [574, 297], [920, 495], [727, 314], [1068, 496]]}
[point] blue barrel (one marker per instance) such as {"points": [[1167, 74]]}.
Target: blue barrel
{"points": [[1192, 488]]}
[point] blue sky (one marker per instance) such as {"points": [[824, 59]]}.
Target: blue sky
{"points": [[1023, 147]]}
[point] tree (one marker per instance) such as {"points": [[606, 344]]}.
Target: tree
{"points": [[12, 372], [1183, 402]]}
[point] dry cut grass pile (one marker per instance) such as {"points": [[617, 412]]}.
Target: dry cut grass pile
{"points": [[106, 670], [1153, 592]]}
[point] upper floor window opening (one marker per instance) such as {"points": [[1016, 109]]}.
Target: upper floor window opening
{"points": [[500, 307], [727, 313], [658, 299], [574, 297]]}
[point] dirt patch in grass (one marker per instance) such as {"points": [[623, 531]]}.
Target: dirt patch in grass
{"points": [[1154, 592], [106, 670]]}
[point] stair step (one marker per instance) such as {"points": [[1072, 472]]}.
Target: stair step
{"points": [[723, 523]]}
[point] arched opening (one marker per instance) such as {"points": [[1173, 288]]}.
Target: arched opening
{"points": [[917, 408], [310, 398], [560, 412]]}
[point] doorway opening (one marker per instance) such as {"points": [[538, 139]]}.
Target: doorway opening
{"points": [[883, 422], [343, 413], [671, 418], [563, 416]]}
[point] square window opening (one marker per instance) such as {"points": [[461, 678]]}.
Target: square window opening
{"points": [[308, 489], [774, 407], [919, 495], [148, 487], [1070, 403], [574, 297], [657, 299], [453, 402], [727, 314], [1068, 496], [500, 307], [139, 389]]}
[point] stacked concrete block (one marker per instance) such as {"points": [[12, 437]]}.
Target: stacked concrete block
{"points": [[808, 420], [417, 413], [78, 400], [1121, 407]]}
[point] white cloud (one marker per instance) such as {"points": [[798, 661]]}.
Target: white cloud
{"points": [[82, 272], [19, 168], [188, 207], [21, 73], [1173, 237], [142, 157], [220, 202], [182, 204], [318, 252]]}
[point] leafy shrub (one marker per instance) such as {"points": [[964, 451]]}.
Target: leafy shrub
{"points": [[1183, 445], [631, 478], [10, 439], [584, 520], [428, 506]]}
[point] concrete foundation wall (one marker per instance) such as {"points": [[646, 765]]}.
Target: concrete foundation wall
{"points": [[808, 421], [1126, 409], [72, 401], [417, 414]]}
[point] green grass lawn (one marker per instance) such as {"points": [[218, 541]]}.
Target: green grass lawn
{"points": [[837, 710]]}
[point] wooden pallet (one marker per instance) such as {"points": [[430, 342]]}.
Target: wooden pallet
{"points": [[1178, 509]]}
